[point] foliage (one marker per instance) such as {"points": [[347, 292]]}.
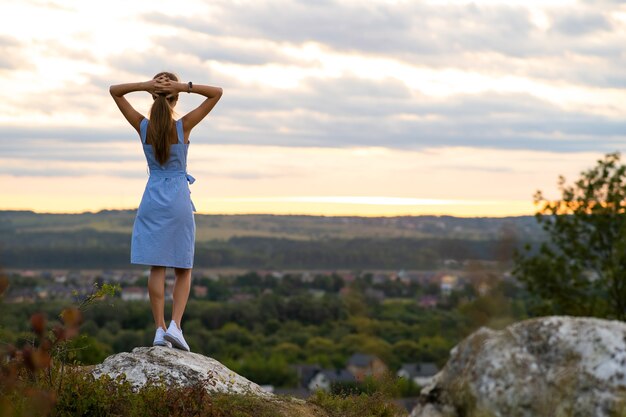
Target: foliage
{"points": [[262, 337], [351, 405], [101, 240], [84, 395], [407, 388], [266, 371], [32, 375], [245, 334], [38, 379], [581, 270], [106, 396]]}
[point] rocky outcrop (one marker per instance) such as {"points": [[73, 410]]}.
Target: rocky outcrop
{"points": [[549, 366], [176, 367]]}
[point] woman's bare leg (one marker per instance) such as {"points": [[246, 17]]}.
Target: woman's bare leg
{"points": [[182, 286], [156, 290]]}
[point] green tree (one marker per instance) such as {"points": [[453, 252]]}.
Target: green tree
{"points": [[407, 351], [89, 350], [581, 269], [272, 370], [320, 346], [290, 351]]}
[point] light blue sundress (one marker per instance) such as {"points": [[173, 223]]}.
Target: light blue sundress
{"points": [[164, 229]]}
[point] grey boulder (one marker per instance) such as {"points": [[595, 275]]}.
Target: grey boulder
{"points": [[176, 367], [549, 366]]}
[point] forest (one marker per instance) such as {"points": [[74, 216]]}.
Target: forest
{"points": [[283, 324], [102, 240]]}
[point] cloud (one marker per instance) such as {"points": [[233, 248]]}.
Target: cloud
{"points": [[51, 167], [347, 112], [339, 74], [6, 41], [16, 136], [408, 28], [344, 112], [334, 95], [46, 171], [11, 55], [498, 39], [579, 24]]}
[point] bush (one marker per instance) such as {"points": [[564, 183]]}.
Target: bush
{"points": [[374, 405]]}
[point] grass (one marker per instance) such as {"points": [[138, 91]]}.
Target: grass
{"points": [[361, 405], [83, 395]]}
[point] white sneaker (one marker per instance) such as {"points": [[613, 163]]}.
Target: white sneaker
{"points": [[175, 335], [159, 340]]}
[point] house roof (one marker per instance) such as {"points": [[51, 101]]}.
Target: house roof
{"points": [[360, 360], [305, 372], [423, 369], [338, 375]]}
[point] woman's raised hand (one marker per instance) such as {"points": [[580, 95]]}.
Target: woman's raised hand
{"points": [[160, 85]]}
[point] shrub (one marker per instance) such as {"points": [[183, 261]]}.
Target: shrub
{"points": [[374, 405]]}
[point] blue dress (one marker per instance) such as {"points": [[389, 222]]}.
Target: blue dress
{"points": [[164, 229]]}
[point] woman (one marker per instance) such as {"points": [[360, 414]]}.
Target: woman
{"points": [[164, 228]]}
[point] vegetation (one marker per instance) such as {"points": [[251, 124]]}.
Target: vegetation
{"points": [[83, 395], [42, 378], [292, 227], [282, 324], [581, 269], [101, 240], [91, 249]]}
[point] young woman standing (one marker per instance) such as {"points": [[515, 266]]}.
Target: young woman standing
{"points": [[164, 229]]}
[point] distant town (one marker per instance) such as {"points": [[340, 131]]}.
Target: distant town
{"points": [[29, 286], [445, 289]]}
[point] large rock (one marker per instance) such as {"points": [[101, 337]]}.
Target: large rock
{"points": [[177, 367], [551, 366]]}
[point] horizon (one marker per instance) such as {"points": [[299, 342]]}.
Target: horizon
{"points": [[378, 108], [268, 214]]}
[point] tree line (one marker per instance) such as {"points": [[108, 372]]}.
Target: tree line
{"points": [[92, 249]]}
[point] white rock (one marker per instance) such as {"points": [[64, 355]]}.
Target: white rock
{"points": [[177, 367], [539, 367]]}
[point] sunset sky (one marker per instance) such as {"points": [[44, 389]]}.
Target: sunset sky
{"points": [[330, 107]]}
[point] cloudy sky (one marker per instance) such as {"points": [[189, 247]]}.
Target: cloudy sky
{"points": [[330, 107]]}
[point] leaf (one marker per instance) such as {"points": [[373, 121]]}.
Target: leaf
{"points": [[71, 316], [38, 323]]}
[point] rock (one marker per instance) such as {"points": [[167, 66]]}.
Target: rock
{"points": [[177, 367], [548, 366]]}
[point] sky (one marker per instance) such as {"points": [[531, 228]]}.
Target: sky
{"points": [[369, 108]]}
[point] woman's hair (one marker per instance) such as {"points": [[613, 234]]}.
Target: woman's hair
{"points": [[161, 123]]}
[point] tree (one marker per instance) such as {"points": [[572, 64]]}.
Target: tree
{"points": [[581, 268]]}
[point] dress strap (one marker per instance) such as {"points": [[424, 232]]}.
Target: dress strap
{"points": [[179, 131], [143, 130]]}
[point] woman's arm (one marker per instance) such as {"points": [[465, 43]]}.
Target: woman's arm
{"points": [[118, 91], [212, 94]]}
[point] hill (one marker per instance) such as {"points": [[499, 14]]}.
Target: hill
{"points": [[102, 239]]}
